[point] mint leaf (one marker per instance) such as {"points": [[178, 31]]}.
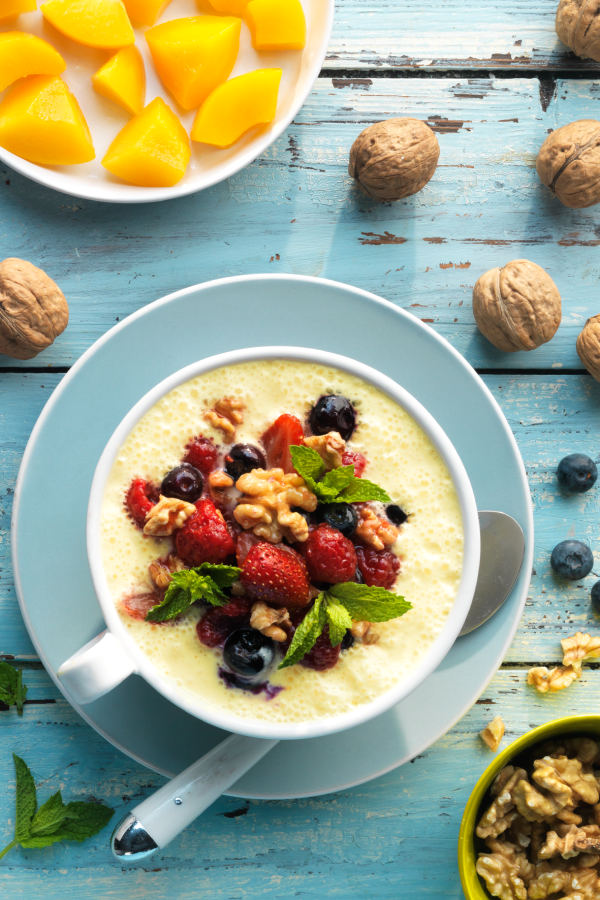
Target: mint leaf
{"points": [[12, 689], [307, 463], [339, 621], [369, 604], [361, 490], [26, 799], [84, 820], [49, 816], [306, 634], [206, 582], [338, 479]]}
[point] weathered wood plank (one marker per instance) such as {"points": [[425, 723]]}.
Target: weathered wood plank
{"points": [[456, 34], [550, 417], [367, 842], [296, 210]]}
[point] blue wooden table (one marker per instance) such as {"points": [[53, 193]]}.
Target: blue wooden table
{"points": [[491, 79]]}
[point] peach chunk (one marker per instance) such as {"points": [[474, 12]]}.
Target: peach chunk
{"points": [[94, 23], [24, 54], [194, 55], [123, 79], [40, 120], [230, 7], [276, 24], [236, 106], [152, 150], [10, 10], [146, 12]]}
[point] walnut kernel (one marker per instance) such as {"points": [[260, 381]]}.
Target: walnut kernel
{"points": [[493, 733], [376, 531], [552, 680], [167, 515], [580, 647], [265, 507], [329, 446], [265, 619], [226, 414]]}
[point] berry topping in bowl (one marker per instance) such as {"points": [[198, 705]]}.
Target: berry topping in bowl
{"points": [[396, 515], [204, 537], [183, 482], [333, 413], [285, 431], [378, 568], [329, 555], [140, 499], [342, 516], [244, 458], [322, 656], [576, 473], [572, 560], [249, 654], [276, 575], [201, 453]]}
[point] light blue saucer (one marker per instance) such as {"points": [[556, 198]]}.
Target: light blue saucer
{"points": [[49, 553]]}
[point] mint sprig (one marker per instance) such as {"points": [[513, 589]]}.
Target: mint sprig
{"points": [[338, 486], [337, 607], [12, 689], [54, 820], [206, 582]]}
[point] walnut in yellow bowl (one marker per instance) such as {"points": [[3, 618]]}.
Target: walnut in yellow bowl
{"points": [[531, 827]]}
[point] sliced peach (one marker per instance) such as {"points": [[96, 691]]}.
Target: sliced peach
{"points": [[230, 7], [152, 150], [194, 55], [40, 120], [276, 24], [236, 106], [24, 54], [94, 23], [123, 80], [10, 10], [146, 12]]}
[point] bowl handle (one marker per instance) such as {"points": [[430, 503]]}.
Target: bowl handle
{"points": [[96, 669], [165, 813]]}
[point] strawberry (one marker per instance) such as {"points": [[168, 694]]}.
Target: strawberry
{"points": [[204, 537], [275, 575], [140, 499], [329, 555], [276, 440]]}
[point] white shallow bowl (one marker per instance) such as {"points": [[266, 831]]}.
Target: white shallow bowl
{"points": [[208, 165], [255, 728]]}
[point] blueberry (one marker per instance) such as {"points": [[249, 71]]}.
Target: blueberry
{"points": [[347, 640], [248, 653], [342, 516], [572, 560], [243, 458], [596, 596], [396, 515], [576, 473], [183, 482], [333, 413]]}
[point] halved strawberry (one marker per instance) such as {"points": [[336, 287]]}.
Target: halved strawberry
{"points": [[275, 575], [276, 440]]}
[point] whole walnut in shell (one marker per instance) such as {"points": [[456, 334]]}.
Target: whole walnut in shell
{"points": [[33, 309], [578, 26], [517, 307], [569, 163], [394, 159], [588, 346]]}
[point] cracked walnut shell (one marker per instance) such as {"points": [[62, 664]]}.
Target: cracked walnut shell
{"points": [[394, 159], [33, 309], [569, 163], [588, 346], [517, 307], [577, 26]]}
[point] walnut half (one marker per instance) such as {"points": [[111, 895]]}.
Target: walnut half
{"points": [[493, 733], [167, 515], [266, 620], [265, 507], [553, 680], [376, 531]]}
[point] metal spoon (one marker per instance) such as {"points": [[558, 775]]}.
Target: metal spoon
{"points": [[163, 815], [502, 552]]}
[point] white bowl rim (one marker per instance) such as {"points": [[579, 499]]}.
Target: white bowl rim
{"points": [[121, 192], [452, 625]]}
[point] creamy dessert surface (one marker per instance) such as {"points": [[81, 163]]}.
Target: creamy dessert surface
{"points": [[401, 459]]}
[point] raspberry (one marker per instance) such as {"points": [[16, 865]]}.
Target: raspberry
{"points": [[329, 555], [360, 462], [204, 537], [139, 605], [219, 622], [379, 568], [276, 575], [322, 656], [201, 453], [140, 499]]}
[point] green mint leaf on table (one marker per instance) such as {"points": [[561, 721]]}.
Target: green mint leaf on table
{"points": [[369, 604], [338, 486], [12, 689], [54, 820], [206, 582], [339, 621], [306, 634]]}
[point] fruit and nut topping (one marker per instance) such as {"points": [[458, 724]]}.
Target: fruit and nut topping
{"points": [[225, 415], [265, 506], [167, 515]]}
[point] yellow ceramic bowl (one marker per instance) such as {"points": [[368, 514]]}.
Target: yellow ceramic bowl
{"points": [[467, 857]]}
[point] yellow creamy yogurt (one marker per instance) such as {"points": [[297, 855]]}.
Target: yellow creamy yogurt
{"points": [[401, 459]]}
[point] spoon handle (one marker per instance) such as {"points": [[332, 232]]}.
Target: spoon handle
{"points": [[163, 815]]}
